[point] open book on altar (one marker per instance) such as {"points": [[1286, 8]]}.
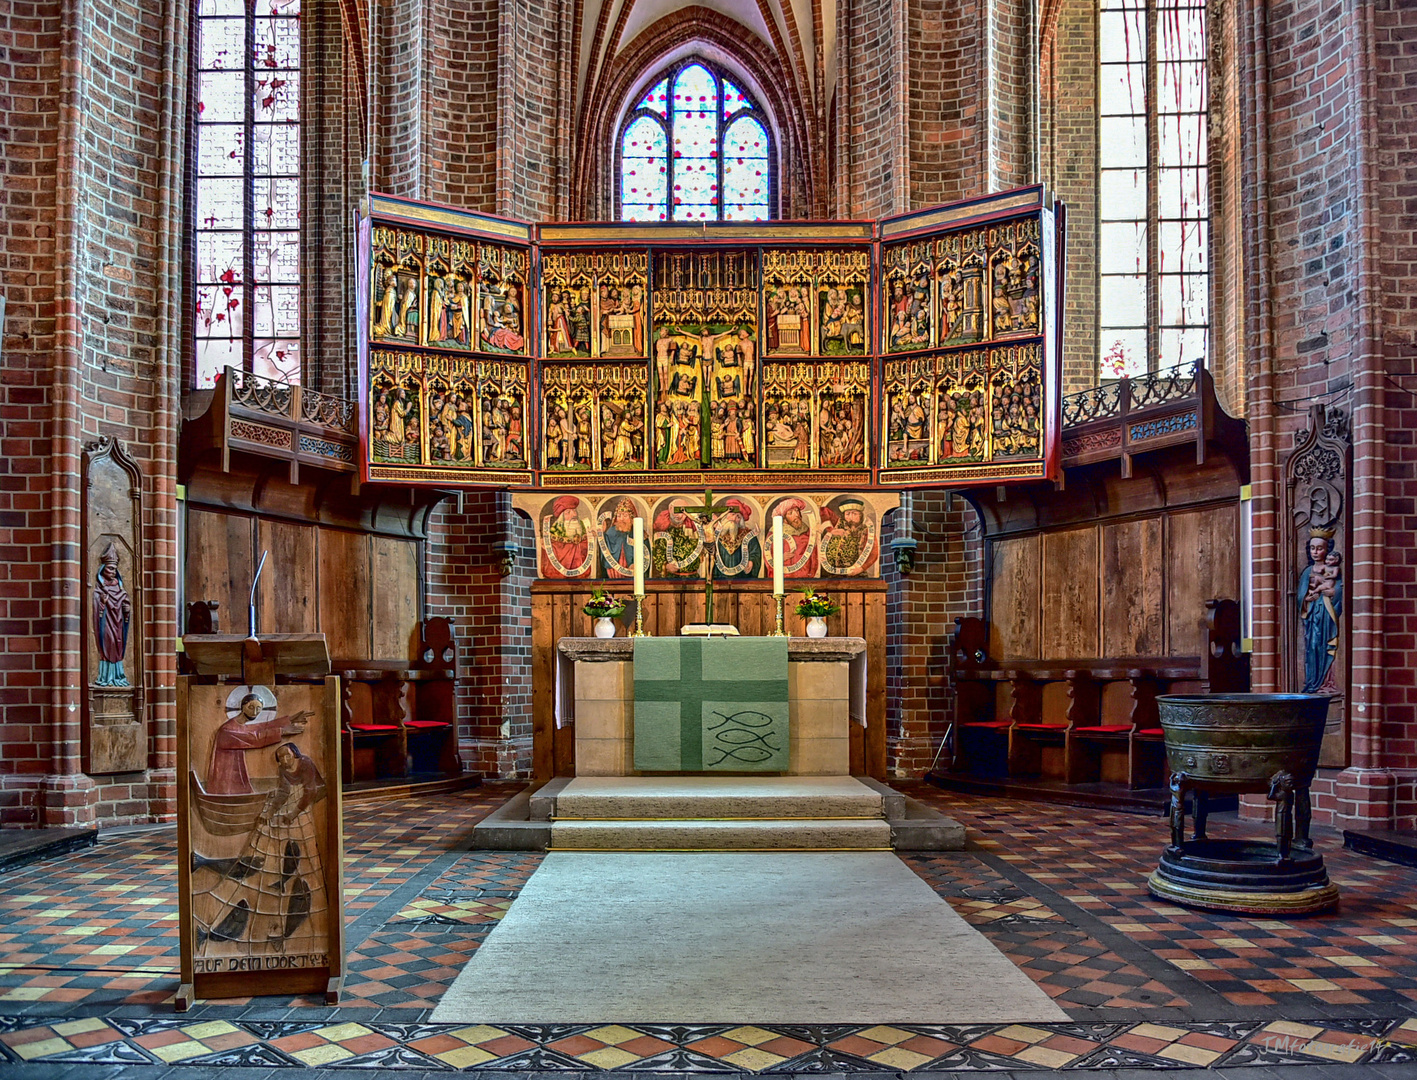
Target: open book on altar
{"points": [[708, 630]]}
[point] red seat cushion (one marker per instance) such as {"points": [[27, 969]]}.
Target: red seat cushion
{"points": [[373, 728], [427, 724], [1152, 732], [1105, 727], [988, 723], [1043, 727]]}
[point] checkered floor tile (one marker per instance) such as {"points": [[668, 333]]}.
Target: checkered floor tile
{"points": [[1060, 891]]}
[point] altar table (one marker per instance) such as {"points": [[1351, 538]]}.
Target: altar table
{"points": [[826, 683]]}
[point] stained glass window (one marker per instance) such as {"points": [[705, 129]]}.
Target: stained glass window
{"points": [[695, 148], [1153, 185], [247, 197]]}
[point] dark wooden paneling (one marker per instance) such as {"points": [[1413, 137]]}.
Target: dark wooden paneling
{"points": [[344, 594], [286, 601], [556, 613], [1070, 579], [394, 609], [1202, 560], [1132, 588], [219, 564], [1015, 596]]}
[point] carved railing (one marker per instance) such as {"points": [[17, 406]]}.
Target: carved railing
{"points": [[255, 414], [1120, 418]]}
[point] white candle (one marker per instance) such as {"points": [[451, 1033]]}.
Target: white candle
{"points": [[639, 546], [777, 555]]}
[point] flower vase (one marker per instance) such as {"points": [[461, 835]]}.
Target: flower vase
{"points": [[816, 626], [604, 626]]}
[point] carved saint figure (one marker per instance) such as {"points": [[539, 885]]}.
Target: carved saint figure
{"points": [[112, 614], [245, 730], [1320, 603]]}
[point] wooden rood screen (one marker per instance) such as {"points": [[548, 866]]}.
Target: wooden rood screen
{"points": [[556, 613]]}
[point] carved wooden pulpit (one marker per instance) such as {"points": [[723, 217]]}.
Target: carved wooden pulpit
{"points": [[259, 822]]}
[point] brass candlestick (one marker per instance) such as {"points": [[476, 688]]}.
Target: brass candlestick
{"points": [[778, 631], [639, 630]]}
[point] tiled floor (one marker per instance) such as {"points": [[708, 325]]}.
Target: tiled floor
{"points": [[88, 961]]}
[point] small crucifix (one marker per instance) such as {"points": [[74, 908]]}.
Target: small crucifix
{"points": [[704, 515]]}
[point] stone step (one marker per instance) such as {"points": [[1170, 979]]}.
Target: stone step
{"points": [[685, 835], [698, 798]]}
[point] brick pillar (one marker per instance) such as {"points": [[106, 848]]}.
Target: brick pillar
{"points": [[946, 583], [491, 613]]}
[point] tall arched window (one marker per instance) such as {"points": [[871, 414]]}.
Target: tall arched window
{"points": [[696, 148], [1154, 185], [247, 218]]}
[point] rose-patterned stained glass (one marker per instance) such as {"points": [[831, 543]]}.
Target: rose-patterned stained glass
{"points": [[675, 163], [644, 174], [657, 99], [734, 100], [247, 205], [745, 170]]}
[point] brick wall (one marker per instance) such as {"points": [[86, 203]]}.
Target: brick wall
{"points": [[1012, 75], [1068, 151], [869, 139], [462, 65], [398, 93], [86, 209], [30, 36], [533, 177], [1394, 32], [947, 139]]}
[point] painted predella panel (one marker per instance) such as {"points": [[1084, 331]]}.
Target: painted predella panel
{"points": [[262, 784], [590, 535]]}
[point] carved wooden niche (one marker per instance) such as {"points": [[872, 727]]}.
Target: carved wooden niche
{"points": [[114, 731], [1314, 550]]}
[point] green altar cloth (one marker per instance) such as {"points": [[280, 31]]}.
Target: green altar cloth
{"points": [[711, 704]]}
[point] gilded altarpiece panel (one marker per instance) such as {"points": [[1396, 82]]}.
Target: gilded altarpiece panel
{"points": [[978, 399], [445, 383], [914, 351], [593, 416], [706, 359]]}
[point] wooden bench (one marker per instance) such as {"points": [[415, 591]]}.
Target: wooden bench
{"points": [[399, 719], [1084, 720]]}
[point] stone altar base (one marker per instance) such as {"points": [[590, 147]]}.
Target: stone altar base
{"points": [[717, 813]]}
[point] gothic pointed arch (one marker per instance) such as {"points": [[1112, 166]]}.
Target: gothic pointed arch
{"points": [[613, 93]]}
